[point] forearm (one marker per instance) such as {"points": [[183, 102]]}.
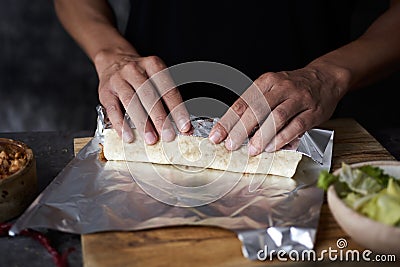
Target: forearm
{"points": [[372, 56], [92, 25]]}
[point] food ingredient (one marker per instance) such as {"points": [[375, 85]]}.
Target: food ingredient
{"points": [[368, 190]]}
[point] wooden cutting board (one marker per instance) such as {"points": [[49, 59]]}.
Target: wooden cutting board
{"points": [[211, 246]]}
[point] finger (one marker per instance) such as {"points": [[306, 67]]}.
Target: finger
{"points": [[296, 127], [180, 115], [150, 135], [159, 75], [160, 119], [252, 117], [136, 112], [235, 112], [112, 105], [150, 100], [275, 121], [262, 136], [220, 130], [284, 109]]}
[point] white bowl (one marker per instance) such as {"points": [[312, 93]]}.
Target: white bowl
{"points": [[373, 235]]}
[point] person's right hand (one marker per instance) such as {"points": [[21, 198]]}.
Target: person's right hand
{"points": [[122, 80]]}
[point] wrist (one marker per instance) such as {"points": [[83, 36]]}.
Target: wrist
{"points": [[341, 76], [109, 56]]}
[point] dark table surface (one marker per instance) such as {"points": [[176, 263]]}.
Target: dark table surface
{"points": [[53, 150]]}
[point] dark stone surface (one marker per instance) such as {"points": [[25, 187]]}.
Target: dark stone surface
{"points": [[52, 150]]}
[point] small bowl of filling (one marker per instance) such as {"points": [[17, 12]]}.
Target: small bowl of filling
{"points": [[18, 181]]}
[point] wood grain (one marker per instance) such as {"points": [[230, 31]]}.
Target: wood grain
{"points": [[211, 246]]}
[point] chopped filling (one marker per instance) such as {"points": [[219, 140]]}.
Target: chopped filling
{"points": [[102, 158], [11, 163]]}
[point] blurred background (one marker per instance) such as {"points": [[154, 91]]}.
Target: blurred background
{"points": [[47, 83]]}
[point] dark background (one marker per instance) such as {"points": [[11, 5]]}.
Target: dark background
{"points": [[47, 83]]}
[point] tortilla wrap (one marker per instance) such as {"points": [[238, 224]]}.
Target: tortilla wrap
{"points": [[200, 152]]}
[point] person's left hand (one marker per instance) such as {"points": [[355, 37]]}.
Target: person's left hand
{"points": [[283, 105]]}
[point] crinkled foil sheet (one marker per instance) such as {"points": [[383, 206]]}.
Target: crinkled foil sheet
{"points": [[90, 196]]}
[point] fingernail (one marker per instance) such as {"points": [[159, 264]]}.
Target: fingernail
{"points": [[270, 148], [168, 135], [127, 136], [252, 150], [215, 137], [150, 138], [229, 144], [184, 125]]}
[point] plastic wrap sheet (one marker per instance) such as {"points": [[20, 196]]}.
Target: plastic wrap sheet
{"points": [[90, 196]]}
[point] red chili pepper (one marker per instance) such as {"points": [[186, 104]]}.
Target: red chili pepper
{"points": [[4, 227], [59, 259]]}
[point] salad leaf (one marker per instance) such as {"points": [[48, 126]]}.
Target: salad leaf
{"points": [[356, 201], [385, 206], [376, 172], [359, 181], [325, 179], [393, 188]]}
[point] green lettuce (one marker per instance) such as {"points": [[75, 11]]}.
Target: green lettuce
{"points": [[325, 179], [385, 206], [359, 181], [368, 190]]}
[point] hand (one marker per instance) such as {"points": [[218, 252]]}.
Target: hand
{"points": [[122, 79], [283, 105]]}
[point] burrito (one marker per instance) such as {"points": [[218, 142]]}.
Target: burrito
{"points": [[199, 152]]}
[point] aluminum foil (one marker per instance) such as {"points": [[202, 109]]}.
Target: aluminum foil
{"points": [[90, 196]]}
